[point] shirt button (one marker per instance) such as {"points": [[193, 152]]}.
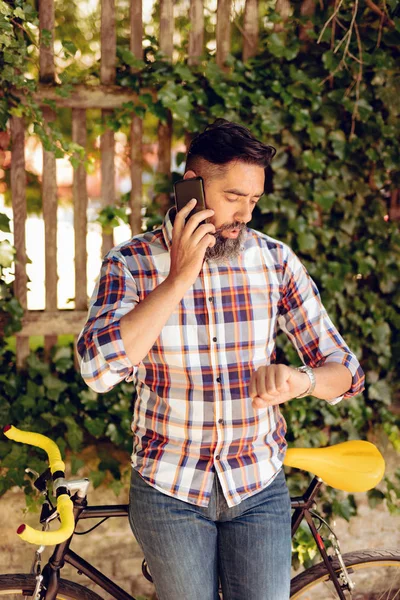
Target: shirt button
{"points": [[211, 299], [214, 339], [220, 421], [217, 457], [219, 379]]}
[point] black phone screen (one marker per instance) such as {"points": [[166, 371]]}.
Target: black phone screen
{"points": [[185, 190]]}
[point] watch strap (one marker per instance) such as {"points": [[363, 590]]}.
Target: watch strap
{"points": [[308, 370]]}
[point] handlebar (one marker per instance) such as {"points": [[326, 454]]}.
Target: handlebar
{"points": [[39, 440], [64, 503]]}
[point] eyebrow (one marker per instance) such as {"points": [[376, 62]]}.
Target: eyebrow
{"points": [[239, 193]]}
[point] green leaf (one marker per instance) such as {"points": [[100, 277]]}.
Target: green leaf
{"points": [[182, 109], [184, 73], [7, 253], [97, 478], [380, 391], [76, 464], [314, 161], [307, 242], [95, 427], [69, 48], [19, 13], [74, 434]]}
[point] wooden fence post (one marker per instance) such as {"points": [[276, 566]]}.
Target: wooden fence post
{"points": [[80, 198], [223, 33], [165, 129], [107, 76], [251, 28], [18, 194], [196, 33], [49, 182], [136, 133]]}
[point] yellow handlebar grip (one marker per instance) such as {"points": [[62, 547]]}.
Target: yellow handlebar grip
{"points": [[51, 538], [39, 440]]}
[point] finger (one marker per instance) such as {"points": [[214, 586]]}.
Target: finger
{"points": [[204, 232], [261, 382], [181, 215], [270, 383], [263, 403], [253, 386], [196, 219], [282, 379]]}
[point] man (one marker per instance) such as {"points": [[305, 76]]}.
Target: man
{"points": [[191, 311]]}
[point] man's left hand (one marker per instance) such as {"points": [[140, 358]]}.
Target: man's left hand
{"points": [[275, 384]]}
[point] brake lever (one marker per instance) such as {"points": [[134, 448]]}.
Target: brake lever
{"points": [[41, 482]]}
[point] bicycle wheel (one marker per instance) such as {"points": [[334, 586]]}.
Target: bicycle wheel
{"points": [[22, 586], [375, 573]]}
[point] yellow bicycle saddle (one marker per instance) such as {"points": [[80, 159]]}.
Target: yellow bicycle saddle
{"points": [[354, 466]]}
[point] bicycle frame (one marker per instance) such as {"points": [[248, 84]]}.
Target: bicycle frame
{"points": [[63, 554], [302, 506]]}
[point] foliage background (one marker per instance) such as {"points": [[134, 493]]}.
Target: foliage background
{"points": [[331, 109]]}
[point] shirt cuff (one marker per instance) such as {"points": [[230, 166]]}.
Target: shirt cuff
{"points": [[110, 346], [350, 361]]}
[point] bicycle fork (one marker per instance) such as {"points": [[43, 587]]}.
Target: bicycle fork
{"points": [[342, 580]]}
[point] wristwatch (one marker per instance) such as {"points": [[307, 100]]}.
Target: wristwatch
{"points": [[310, 373]]}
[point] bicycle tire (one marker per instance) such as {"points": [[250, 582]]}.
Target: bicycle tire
{"points": [[315, 583], [15, 586]]}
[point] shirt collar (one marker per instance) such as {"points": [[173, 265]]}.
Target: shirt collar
{"points": [[167, 226]]}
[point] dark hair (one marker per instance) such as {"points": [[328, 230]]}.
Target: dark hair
{"points": [[222, 142]]}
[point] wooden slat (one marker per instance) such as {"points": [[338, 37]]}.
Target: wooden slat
{"points": [[108, 42], [164, 132], [49, 184], [18, 195], [282, 7], [107, 149], [107, 76], [50, 323], [135, 200], [166, 27], [46, 56], [394, 210], [49, 199], [136, 19], [80, 198], [223, 33], [251, 29], [196, 33], [307, 9], [136, 133], [85, 96]]}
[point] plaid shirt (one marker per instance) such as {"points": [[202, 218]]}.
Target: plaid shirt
{"points": [[193, 415]]}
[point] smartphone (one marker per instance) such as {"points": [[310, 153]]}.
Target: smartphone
{"points": [[185, 190]]}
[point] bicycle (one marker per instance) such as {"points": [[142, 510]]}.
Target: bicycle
{"points": [[352, 466]]}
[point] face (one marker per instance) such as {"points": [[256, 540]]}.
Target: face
{"points": [[233, 198]]}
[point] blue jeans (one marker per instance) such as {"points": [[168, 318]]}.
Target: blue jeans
{"points": [[189, 548]]}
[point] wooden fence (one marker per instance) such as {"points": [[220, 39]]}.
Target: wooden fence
{"points": [[107, 96], [52, 322]]}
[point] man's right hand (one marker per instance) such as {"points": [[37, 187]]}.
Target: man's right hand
{"points": [[189, 244]]}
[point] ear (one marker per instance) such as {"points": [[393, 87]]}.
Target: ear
{"points": [[189, 175]]}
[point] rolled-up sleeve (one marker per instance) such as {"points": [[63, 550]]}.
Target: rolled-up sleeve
{"points": [[305, 321], [101, 353]]}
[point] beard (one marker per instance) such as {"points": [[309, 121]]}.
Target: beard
{"points": [[226, 249]]}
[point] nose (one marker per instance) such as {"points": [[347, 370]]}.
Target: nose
{"points": [[243, 215]]}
